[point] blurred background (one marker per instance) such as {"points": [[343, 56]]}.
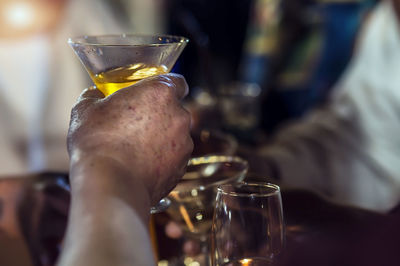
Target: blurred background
{"points": [[252, 66]]}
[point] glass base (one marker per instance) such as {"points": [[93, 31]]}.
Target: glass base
{"points": [[161, 206]]}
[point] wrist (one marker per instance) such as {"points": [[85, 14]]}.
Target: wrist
{"points": [[95, 179]]}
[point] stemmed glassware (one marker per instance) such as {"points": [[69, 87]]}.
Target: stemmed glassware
{"points": [[118, 61], [248, 226], [193, 199]]}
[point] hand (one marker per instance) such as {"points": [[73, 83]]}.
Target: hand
{"points": [[142, 128]]}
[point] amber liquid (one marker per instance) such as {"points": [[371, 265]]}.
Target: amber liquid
{"points": [[115, 79]]}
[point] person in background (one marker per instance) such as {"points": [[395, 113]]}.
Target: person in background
{"points": [[328, 73], [347, 149], [127, 152]]}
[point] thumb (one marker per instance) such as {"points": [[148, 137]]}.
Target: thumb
{"points": [[88, 97], [91, 94]]}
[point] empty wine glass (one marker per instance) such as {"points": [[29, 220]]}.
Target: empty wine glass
{"points": [[248, 227]]}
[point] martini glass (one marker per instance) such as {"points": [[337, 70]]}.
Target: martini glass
{"points": [[193, 199], [118, 61]]}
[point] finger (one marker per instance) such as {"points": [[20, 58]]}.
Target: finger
{"points": [[91, 93], [175, 81], [88, 97], [179, 83]]}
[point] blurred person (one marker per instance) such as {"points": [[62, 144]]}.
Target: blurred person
{"points": [[348, 149], [329, 76], [40, 76]]}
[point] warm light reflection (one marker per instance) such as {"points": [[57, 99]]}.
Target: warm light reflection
{"points": [[186, 217], [213, 159], [19, 14], [194, 193], [184, 212], [199, 216], [135, 66], [162, 263], [245, 262]]}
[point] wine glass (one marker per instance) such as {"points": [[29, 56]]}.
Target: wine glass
{"points": [[213, 142], [119, 61], [248, 226], [193, 199]]}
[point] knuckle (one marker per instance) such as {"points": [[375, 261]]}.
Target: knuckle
{"points": [[190, 145], [82, 104], [165, 85], [163, 79], [186, 117], [165, 91]]}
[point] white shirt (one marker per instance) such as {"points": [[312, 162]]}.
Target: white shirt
{"points": [[349, 150]]}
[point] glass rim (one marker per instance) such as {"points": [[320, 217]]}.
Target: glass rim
{"points": [[276, 188], [224, 137], [83, 39], [209, 159], [216, 159]]}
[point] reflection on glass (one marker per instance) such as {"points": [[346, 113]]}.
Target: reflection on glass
{"points": [[118, 61], [193, 199]]}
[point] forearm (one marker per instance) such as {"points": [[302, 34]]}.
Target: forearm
{"points": [[108, 217]]}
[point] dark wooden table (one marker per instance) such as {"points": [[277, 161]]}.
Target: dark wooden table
{"points": [[34, 208]]}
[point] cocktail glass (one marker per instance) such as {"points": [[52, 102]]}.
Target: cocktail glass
{"points": [[193, 199], [119, 61]]}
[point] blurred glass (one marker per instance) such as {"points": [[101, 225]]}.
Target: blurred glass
{"points": [[207, 142], [193, 199], [240, 106], [248, 227]]}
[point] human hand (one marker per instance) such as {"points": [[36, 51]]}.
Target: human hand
{"points": [[142, 128]]}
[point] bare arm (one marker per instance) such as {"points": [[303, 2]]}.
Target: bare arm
{"points": [[108, 220]]}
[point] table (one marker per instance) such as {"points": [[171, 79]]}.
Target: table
{"points": [[34, 211]]}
